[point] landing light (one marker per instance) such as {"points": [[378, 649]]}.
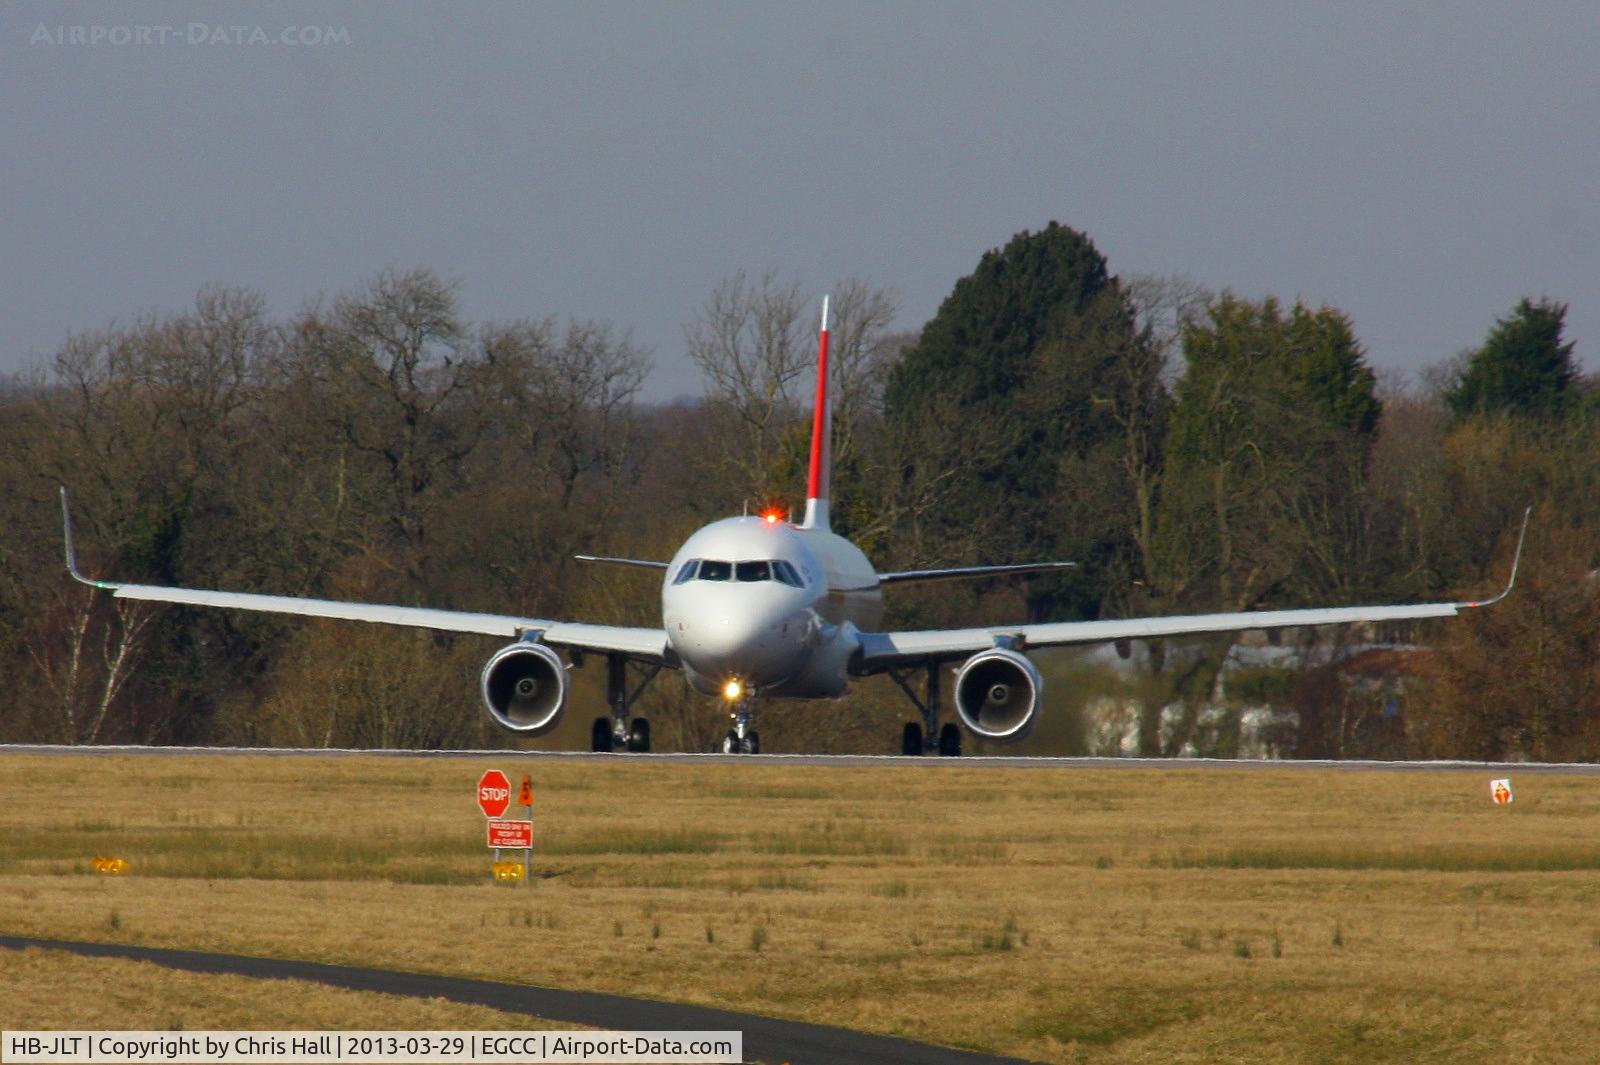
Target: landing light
{"points": [[732, 690]]}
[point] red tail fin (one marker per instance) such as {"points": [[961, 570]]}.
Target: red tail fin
{"points": [[819, 487]]}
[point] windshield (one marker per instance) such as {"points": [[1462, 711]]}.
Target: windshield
{"points": [[754, 571], [751, 571], [712, 570]]}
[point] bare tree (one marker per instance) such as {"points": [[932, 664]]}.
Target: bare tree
{"points": [[85, 650], [749, 340], [137, 421], [861, 350], [392, 373], [1136, 393], [572, 395]]}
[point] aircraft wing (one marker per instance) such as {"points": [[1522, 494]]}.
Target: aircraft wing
{"points": [[893, 648], [641, 643], [885, 650]]}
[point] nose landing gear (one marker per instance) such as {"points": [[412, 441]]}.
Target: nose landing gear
{"points": [[742, 738]]}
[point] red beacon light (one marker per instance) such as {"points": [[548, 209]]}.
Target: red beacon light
{"points": [[772, 517]]}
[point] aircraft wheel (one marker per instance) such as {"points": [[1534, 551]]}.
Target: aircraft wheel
{"points": [[950, 740], [600, 738], [911, 739], [730, 743], [639, 736], [752, 743]]}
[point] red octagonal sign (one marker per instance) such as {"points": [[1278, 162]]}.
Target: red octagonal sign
{"points": [[494, 793]]}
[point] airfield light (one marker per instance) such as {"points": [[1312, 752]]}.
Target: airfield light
{"points": [[733, 689], [508, 871]]}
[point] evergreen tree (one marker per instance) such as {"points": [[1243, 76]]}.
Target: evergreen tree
{"points": [[1263, 489], [1000, 394], [1522, 368], [1271, 429]]}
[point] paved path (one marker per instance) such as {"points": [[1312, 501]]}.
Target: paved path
{"points": [[766, 1039], [857, 760]]}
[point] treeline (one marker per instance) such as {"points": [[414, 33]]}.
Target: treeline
{"points": [[1194, 451]]}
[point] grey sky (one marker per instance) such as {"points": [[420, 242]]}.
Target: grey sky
{"points": [[1420, 167]]}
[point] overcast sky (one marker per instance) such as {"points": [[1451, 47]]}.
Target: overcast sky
{"points": [[1419, 166]]}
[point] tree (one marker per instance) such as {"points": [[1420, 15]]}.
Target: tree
{"points": [[143, 422], [1522, 680], [1001, 388], [1272, 426], [1133, 392], [861, 351], [1262, 493], [755, 344], [1522, 368], [750, 342]]}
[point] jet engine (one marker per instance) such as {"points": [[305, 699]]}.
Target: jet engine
{"points": [[525, 688], [998, 694]]}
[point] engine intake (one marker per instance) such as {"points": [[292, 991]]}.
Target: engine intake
{"points": [[998, 694], [525, 688]]}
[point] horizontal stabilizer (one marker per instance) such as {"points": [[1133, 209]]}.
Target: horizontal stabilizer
{"points": [[640, 562], [958, 572]]}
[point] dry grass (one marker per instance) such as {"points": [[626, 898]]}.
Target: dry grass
{"points": [[50, 990], [1060, 914]]}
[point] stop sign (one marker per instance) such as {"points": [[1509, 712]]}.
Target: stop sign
{"points": [[494, 793]]}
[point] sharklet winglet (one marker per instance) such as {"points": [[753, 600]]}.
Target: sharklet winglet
{"points": [[72, 554], [1516, 562]]}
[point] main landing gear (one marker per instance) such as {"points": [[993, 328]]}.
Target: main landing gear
{"points": [[742, 738], [617, 732], [919, 739]]}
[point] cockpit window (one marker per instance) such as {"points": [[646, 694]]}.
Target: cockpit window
{"points": [[749, 572], [715, 571], [754, 571]]}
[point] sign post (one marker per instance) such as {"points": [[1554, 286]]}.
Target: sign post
{"points": [[525, 799]]}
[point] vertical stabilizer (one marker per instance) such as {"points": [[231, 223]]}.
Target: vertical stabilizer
{"points": [[819, 486]]}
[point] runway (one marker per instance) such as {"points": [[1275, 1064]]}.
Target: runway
{"points": [[766, 1039], [847, 760]]}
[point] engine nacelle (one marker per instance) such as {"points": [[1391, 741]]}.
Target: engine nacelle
{"points": [[525, 688], [998, 694]]}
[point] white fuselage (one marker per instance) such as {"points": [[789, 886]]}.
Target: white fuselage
{"points": [[773, 606]]}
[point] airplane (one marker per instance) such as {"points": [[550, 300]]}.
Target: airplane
{"points": [[758, 607]]}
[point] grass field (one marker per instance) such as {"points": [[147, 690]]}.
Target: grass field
{"points": [[49, 990], [1066, 915]]}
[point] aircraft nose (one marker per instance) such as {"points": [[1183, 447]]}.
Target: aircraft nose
{"points": [[727, 634], [739, 640], [730, 631]]}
